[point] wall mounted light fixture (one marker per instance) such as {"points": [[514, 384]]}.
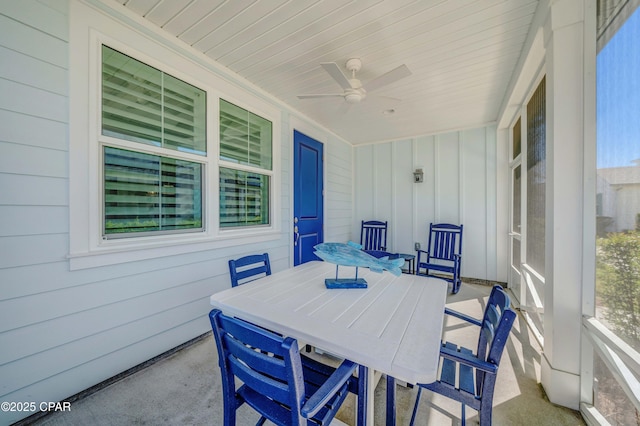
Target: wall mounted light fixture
{"points": [[418, 176]]}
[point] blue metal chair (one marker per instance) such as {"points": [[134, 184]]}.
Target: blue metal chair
{"points": [[443, 254], [249, 268], [468, 378], [283, 386], [373, 236]]}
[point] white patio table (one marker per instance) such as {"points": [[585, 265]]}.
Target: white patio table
{"points": [[394, 326]]}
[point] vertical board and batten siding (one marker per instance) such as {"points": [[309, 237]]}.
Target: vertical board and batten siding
{"points": [[63, 331], [403, 200], [459, 187], [338, 189]]}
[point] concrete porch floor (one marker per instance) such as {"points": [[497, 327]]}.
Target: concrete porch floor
{"points": [[185, 388]]}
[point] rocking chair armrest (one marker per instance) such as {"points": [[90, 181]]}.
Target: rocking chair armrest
{"points": [[468, 359], [420, 252], [462, 316], [340, 376]]}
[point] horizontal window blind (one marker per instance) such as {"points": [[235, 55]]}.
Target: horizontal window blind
{"points": [[536, 178], [245, 138], [244, 198], [144, 193], [145, 105]]}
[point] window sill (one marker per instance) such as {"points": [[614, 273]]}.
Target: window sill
{"points": [[115, 252]]}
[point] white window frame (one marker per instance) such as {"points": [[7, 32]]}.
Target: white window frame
{"points": [[619, 358], [89, 30], [160, 151], [514, 163], [245, 168], [526, 274]]}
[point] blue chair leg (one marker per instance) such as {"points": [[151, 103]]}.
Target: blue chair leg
{"points": [[455, 284], [391, 401], [415, 407], [463, 420], [363, 384]]}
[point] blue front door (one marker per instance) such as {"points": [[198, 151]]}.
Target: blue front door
{"points": [[308, 199]]}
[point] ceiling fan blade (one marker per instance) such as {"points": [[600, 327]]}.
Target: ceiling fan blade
{"points": [[321, 95], [390, 77], [336, 73], [344, 108]]}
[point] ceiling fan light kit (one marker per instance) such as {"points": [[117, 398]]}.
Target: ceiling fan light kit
{"points": [[354, 96], [353, 89]]}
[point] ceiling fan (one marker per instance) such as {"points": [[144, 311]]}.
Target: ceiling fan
{"points": [[354, 90]]}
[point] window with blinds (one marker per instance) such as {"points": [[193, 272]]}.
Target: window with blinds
{"points": [[150, 192], [536, 178], [145, 105], [245, 167], [145, 193]]}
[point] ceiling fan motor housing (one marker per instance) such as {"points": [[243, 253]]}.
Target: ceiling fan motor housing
{"points": [[354, 65], [354, 96]]}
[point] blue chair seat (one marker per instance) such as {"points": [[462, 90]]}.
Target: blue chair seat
{"points": [[441, 268]]}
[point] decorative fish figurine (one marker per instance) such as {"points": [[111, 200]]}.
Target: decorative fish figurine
{"points": [[350, 254]]}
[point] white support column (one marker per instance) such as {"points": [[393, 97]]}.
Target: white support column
{"points": [[564, 41]]}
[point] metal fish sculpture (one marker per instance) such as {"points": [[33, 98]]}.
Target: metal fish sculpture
{"points": [[350, 254]]}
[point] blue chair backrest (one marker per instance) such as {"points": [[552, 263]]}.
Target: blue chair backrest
{"points": [[496, 325], [275, 370], [252, 266], [445, 241], [373, 235]]}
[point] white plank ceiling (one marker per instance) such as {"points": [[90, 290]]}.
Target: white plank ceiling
{"points": [[461, 53]]}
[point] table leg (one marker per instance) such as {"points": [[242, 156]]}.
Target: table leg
{"points": [[391, 401], [370, 393]]}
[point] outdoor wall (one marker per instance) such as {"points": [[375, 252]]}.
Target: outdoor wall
{"points": [[63, 329], [338, 190], [460, 187]]}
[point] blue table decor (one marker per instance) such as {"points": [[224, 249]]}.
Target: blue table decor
{"points": [[351, 254]]}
